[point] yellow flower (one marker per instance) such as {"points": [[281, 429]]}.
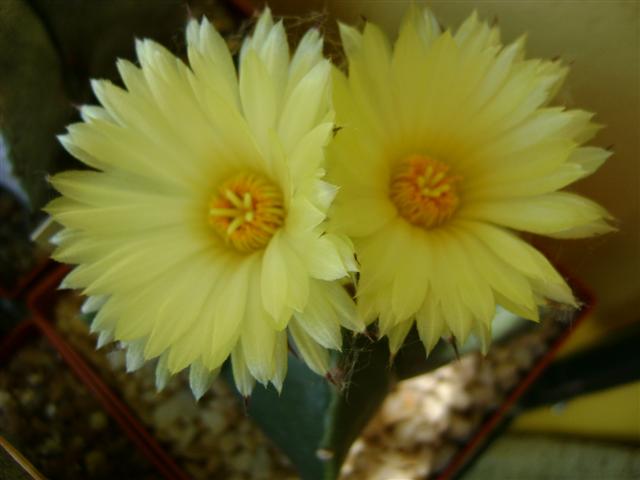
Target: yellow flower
{"points": [[447, 146], [200, 232]]}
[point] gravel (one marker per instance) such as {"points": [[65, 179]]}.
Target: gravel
{"points": [[57, 425], [211, 438]]}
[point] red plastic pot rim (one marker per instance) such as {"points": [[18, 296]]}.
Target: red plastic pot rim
{"points": [[483, 434], [114, 407], [40, 297], [22, 284], [40, 300], [112, 404]]}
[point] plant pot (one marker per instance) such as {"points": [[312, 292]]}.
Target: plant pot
{"points": [[434, 425], [497, 421], [52, 417], [212, 438], [39, 300]]}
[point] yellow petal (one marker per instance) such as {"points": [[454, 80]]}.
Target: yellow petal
{"points": [[306, 105], [210, 58], [308, 155], [319, 320], [258, 97], [341, 302], [303, 216], [321, 256], [308, 53], [260, 33], [200, 379], [133, 79], [228, 311], [186, 301], [275, 281], [162, 373], [360, 217], [274, 53], [397, 335], [241, 375], [281, 353], [558, 213], [430, 323], [162, 213], [412, 273], [168, 81], [99, 189], [315, 356], [259, 340], [525, 259], [134, 358], [505, 282]]}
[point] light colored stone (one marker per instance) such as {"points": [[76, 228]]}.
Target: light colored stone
{"points": [[214, 421], [179, 405], [228, 442], [116, 359], [242, 461], [399, 407], [98, 421]]}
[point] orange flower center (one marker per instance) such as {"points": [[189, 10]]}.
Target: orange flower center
{"points": [[246, 211], [423, 191]]}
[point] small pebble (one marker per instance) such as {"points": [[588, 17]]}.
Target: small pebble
{"points": [[242, 461], [58, 425], [34, 379], [50, 410], [214, 422], [5, 399], [95, 462], [227, 442], [98, 420]]}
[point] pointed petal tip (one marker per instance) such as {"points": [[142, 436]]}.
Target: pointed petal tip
{"points": [[201, 378], [277, 384], [160, 386], [56, 239], [104, 338], [198, 394], [132, 366]]}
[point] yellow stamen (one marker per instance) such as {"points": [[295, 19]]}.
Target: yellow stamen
{"points": [[423, 191], [246, 211]]}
